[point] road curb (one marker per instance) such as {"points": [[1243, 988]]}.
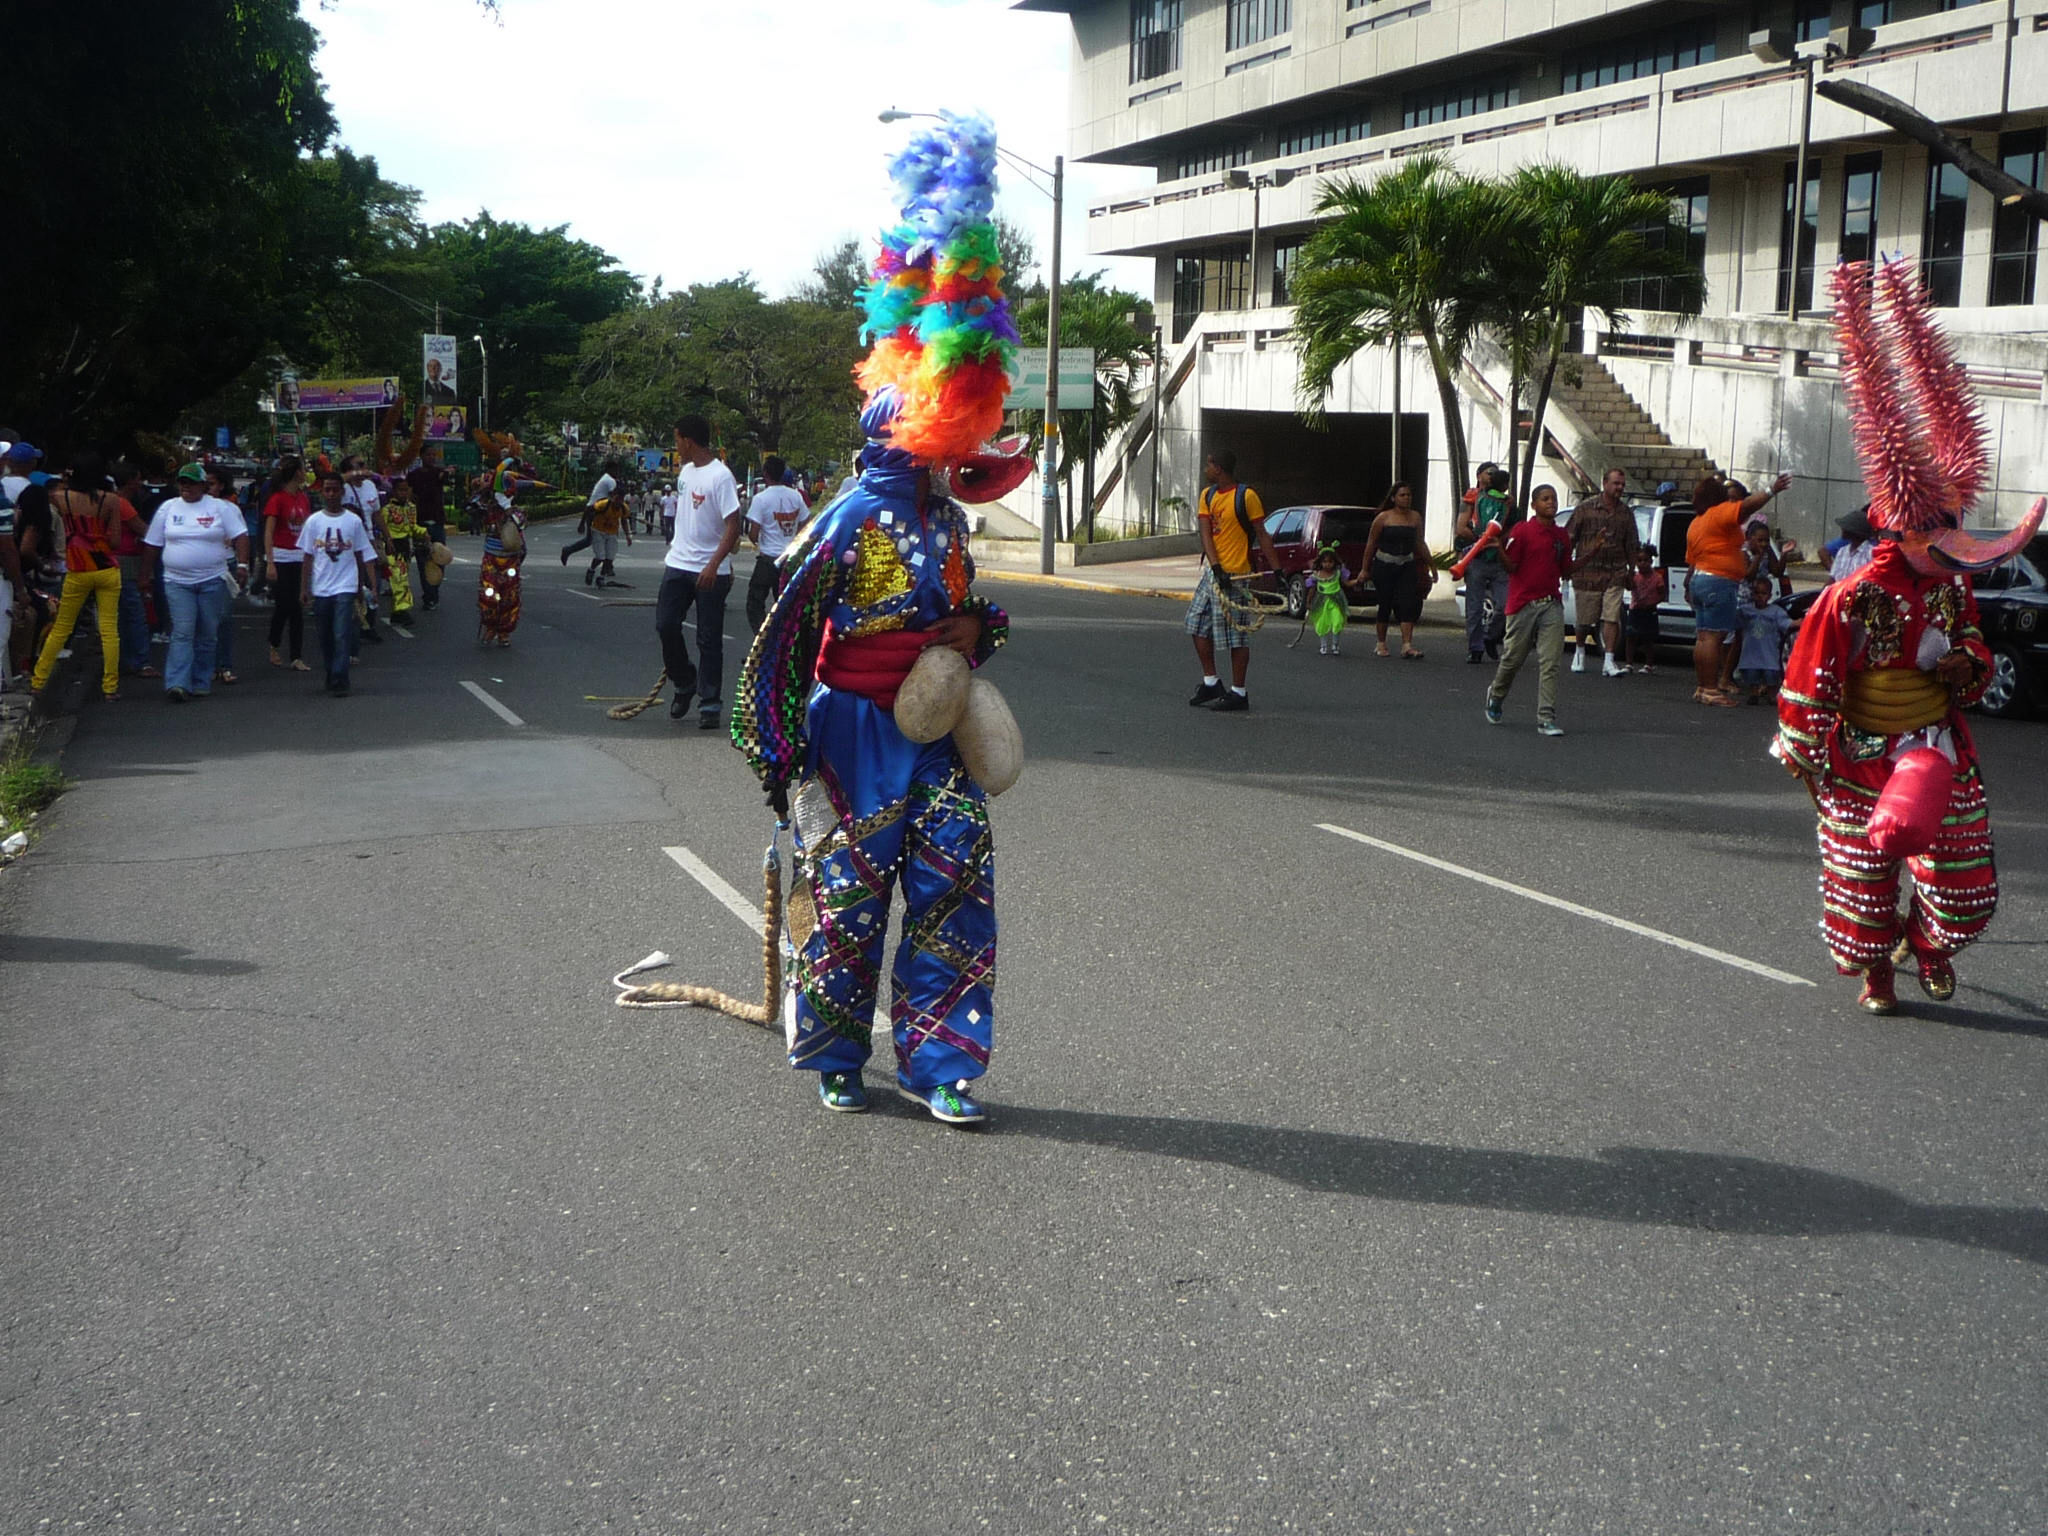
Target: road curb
{"points": [[1037, 579]]}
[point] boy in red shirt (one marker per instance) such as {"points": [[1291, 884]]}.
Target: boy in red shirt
{"points": [[1538, 556]]}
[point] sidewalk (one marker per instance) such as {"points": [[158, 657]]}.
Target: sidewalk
{"points": [[1174, 577]]}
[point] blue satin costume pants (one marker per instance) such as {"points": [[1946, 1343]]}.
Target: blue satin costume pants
{"points": [[901, 813]]}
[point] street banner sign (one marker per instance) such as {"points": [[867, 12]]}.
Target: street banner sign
{"points": [[437, 368], [1077, 379], [572, 433], [447, 421], [336, 394]]}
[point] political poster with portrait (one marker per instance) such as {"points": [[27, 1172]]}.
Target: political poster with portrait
{"points": [[437, 368], [447, 423], [337, 394]]}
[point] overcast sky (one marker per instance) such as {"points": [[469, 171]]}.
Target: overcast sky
{"points": [[694, 139]]}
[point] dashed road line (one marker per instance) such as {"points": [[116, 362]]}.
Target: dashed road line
{"points": [[1720, 956], [492, 704], [715, 883]]}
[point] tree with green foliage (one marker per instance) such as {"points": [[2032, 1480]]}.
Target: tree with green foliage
{"points": [[1393, 258], [178, 208], [1115, 324], [1575, 242], [774, 375]]}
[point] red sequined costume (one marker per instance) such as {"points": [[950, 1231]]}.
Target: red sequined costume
{"points": [[1888, 659]]}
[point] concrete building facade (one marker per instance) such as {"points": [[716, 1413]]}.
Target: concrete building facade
{"points": [[1199, 97]]}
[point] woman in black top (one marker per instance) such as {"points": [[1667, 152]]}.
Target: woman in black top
{"points": [[1398, 561]]}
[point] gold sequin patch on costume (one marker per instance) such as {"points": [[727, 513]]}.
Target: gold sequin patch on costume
{"points": [[878, 574], [1944, 608]]}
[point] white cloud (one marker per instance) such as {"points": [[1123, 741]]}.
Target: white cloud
{"points": [[694, 139]]}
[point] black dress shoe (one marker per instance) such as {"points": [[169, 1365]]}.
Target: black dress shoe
{"points": [[1474, 658], [1208, 693], [710, 719], [1231, 703], [679, 706]]}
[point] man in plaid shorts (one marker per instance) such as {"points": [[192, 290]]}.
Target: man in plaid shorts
{"points": [[1231, 517]]}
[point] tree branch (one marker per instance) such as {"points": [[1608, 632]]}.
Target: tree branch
{"points": [[1894, 113]]}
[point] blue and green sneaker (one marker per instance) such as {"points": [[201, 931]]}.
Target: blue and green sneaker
{"points": [[949, 1102], [842, 1091]]}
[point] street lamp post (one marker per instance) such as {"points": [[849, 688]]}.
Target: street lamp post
{"points": [[484, 400], [1774, 45], [1049, 491], [1258, 183]]}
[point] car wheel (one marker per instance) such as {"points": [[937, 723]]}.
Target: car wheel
{"points": [[2005, 694], [1297, 597]]}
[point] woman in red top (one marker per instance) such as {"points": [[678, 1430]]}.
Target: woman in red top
{"points": [[284, 514], [93, 519]]}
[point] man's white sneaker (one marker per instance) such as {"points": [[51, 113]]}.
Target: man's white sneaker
{"points": [[1611, 669], [1578, 658]]}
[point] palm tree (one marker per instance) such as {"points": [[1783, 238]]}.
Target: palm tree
{"points": [[1569, 243], [1105, 320], [1394, 259]]}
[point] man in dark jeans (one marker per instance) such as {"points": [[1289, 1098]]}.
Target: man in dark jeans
{"points": [[430, 490], [698, 573]]}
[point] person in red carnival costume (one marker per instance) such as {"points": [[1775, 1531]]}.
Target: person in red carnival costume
{"points": [[1870, 716]]}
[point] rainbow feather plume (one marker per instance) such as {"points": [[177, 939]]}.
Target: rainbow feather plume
{"points": [[937, 321]]}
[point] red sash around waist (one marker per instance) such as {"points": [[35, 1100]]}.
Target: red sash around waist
{"points": [[873, 666]]}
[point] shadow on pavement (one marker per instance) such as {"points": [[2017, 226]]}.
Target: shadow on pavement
{"points": [[26, 948], [1637, 1185]]}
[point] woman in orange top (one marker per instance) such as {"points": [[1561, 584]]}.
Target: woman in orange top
{"points": [[1713, 551], [93, 519]]}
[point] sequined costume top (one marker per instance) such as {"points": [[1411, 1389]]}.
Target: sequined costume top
{"points": [[870, 563], [1861, 674]]}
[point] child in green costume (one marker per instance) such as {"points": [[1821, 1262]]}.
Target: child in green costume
{"points": [[1328, 606]]}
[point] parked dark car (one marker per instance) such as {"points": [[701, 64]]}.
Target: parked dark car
{"points": [[1298, 532], [2012, 602]]}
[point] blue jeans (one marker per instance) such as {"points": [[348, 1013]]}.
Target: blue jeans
{"points": [[224, 641], [133, 620], [1485, 577], [678, 594], [195, 624], [334, 620]]}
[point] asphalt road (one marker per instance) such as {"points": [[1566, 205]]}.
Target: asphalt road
{"points": [[1327, 1190]]}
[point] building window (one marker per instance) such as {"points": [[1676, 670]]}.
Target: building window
{"points": [[1689, 211], [1213, 157], [1646, 53], [2015, 234], [1464, 97], [1285, 254], [1874, 13], [1253, 21], [1322, 132], [1809, 234], [1861, 176], [1941, 236], [1155, 38], [1209, 280], [1811, 19]]}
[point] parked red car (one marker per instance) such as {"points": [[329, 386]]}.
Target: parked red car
{"points": [[1298, 532]]}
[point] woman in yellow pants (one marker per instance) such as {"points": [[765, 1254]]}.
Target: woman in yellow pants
{"points": [[93, 517]]}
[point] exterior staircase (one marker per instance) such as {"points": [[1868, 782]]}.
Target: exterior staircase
{"points": [[1633, 440]]}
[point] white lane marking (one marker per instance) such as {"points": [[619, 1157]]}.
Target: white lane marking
{"points": [[592, 596], [713, 882], [492, 704], [399, 630], [1722, 956]]}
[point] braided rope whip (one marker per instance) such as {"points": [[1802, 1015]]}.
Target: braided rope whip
{"points": [[676, 994], [628, 711]]}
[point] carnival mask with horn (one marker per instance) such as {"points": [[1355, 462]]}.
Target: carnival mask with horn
{"points": [[1922, 441]]}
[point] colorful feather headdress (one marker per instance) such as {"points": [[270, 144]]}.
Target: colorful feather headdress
{"points": [[941, 331]]}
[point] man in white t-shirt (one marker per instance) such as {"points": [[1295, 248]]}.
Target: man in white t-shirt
{"points": [[340, 560], [698, 573], [773, 518], [195, 535], [668, 513]]}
